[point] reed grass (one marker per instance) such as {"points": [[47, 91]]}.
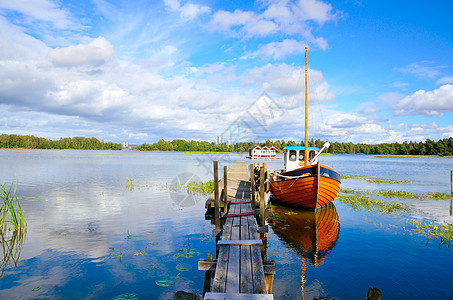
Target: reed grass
{"points": [[442, 232], [398, 194], [194, 187], [387, 181], [370, 204], [352, 176], [437, 195], [404, 156], [207, 152], [11, 213]]}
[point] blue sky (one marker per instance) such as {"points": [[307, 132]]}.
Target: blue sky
{"points": [[139, 71]]}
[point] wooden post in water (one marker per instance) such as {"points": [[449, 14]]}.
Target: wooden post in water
{"points": [[373, 294], [216, 196], [252, 185], [225, 189], [451, 199], [262, 195]]}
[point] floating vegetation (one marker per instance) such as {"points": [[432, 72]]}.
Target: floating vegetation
{"points": [[437, 195], [130, 184], [205, 238], [11, 214], [36, 289], [153, 243], [442, 232], [126, 297], [370, 204], [186, 251], [200, 187], [352, 176], [164, 282], [151, 268], [404, 156], [207, 152], [398, 194], [183, 267], [387, 181]]}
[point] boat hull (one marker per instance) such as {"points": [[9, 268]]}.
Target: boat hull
{"points": [[309, 187]]}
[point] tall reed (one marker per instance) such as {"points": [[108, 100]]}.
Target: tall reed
{"points": [[11, 214]]}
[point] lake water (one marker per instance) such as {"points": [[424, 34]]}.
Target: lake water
{"points": [[103, 224]]}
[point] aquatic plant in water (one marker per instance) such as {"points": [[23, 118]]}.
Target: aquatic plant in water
{"points": [[11, 214], [370, 204], [442, 232]]}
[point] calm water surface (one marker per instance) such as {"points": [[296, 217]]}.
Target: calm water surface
{"points": [[93, 234]]}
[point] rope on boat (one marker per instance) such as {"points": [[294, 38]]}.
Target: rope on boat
{"points": [[284, 176]]}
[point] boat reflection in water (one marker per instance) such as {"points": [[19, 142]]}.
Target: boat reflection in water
{"points": [[311, 234]]}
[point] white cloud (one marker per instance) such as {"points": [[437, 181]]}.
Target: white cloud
{"points": [[279, 17], [277, 50], [96, 53], [444, 80], [422, 69], [188, 11], [426, 103], [40, 10]]}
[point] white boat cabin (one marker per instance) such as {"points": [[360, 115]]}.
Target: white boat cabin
{"points": [[294, 157]]}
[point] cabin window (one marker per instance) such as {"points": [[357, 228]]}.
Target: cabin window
{"points": [[312, 154], [301, 156], [292, 155]]}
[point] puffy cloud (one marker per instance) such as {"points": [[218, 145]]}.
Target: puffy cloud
{"points": [[426, 103], [187, 11], [284, 17], [277, 50], [96, 53]]}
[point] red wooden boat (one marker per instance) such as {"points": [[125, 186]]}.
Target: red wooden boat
{"points": [[305, 182]]}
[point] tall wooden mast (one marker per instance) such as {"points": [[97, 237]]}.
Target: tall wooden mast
{"points": [[306, 106]]}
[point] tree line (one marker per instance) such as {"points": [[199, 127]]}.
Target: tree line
{"points": [[443, 147], [33, 142]]}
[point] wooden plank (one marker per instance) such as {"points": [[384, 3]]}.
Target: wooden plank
{"points": [[203, 265], [247, 213], [236, 296], [246, 262], [259, 283], [241, 242], [220, 275], [234, 259]]}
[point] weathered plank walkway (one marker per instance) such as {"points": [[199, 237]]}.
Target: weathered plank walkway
{"points": [[239, 271]]}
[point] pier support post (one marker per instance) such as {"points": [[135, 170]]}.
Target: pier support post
{"points": [[451, 198], [225, 189], [252, 185], [262, 195], [216, 196]]}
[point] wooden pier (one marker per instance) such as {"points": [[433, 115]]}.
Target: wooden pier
{"points": [[239, 271]]}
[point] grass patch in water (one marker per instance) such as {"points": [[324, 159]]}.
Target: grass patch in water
{"points": [[11, 214], [370, 204], [352, 176], [398, 194], [206, 152], [442, 232], [200, 187], [437, 195], [404, 156], [387, 181]]}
